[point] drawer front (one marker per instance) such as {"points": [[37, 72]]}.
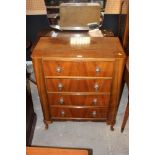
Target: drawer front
{"points": [[78, 85], [78, 100], [78, 112], [78, 68]]}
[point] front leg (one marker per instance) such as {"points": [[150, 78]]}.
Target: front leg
{"points": [[112, 127], [47, 124]]}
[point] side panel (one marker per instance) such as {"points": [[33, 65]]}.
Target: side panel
{"points": [[37, 64], [115, 92]]}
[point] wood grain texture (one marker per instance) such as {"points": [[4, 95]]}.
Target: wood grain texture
{"points": [[55, 151], [78, 85], [78, 78], [106, 47], [115, 93], [57, 112], [37, 65], [78, 100], [78, 68]]}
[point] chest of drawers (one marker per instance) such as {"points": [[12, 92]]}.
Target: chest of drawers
{"points": [[79, 82]]}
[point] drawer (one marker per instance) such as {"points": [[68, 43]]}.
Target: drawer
{"points": [[78, 68], [78, 112], [78, 85], [78, 100]]}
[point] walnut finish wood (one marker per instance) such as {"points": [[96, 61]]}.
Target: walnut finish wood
{"points": [[57, 48], [78, 100], [78, 78], [115, 93], [37, 65], [65, 112], [78, 85], [78, 68], [56, 151]]}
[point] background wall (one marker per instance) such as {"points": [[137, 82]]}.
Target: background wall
{"points": [[37, 7]]}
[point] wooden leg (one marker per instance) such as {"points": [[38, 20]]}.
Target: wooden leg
{"points": [[47, 123], [46, 126], [126, 115], [112, 127], [122, 87]]}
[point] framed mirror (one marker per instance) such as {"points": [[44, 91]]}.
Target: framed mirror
{"points": [[53, 9]]}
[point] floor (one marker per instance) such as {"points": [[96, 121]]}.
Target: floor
{"points": [[94, 135]]}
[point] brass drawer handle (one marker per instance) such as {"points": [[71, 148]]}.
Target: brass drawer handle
{"points": [[60, 86], [94, 113], [96, 86], [58, 69], [61, 101], [98, 69], [62, 113], [94, 101]]}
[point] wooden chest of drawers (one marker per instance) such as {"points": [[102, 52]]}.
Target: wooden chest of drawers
{"points": [[79, 82]]}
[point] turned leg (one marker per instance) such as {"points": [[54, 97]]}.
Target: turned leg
{"points": [[126, 115]]}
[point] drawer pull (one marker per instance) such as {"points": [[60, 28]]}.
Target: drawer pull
{"points": [[94, 101], [60, 86], [61, 100], [94, 113], [58, 69], [62, 113], [96, 86], [98, 69]]}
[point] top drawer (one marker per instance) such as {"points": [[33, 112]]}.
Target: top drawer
{"points": [[78, 68]]}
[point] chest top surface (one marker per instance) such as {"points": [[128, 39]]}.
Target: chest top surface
{"points": [[98, 47]]}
